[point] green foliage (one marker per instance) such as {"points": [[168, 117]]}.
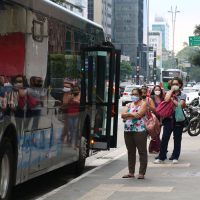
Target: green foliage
{"points": [[195, 59], [57, 65], [197, 30], [187, 53], [125, 70], [193, 73]]}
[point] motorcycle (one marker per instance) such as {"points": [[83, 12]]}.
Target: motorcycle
{"points": [[194, 125], [190, 112]]}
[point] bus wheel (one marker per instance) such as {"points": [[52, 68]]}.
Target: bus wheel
{"points": [[6, 169], [80, 164]]}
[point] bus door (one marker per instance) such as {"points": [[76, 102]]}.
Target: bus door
{"points": [[100, 93]]}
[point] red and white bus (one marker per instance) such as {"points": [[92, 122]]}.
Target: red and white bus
{"points": [[56, 90]]}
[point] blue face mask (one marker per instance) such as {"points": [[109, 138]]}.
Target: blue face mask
{"points": [[135, 98]]}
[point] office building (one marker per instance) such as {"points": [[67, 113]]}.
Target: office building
{"points": [[161, 25], [155, 41], [77, 6], [130, 30], [100, 11]]}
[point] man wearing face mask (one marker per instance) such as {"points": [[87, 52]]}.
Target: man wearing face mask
{"points": [[171, 125]]}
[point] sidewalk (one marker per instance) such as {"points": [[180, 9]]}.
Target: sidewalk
{"points": [[162, 181]]}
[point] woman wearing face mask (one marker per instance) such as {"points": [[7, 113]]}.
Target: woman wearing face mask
{"points": [[170, 125], [157, 97], [135, 133], [149, 101]]}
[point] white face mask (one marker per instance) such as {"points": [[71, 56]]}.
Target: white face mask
{"points": [[66, 89], [175, 87], [157, 93], [18, 85]]}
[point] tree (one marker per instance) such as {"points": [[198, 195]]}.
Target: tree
{"points": [[197, 30], [125, 70], [195, 59]]}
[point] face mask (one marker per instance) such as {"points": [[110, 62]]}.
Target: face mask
{"points": [[18, 85], [66, 89], [135, 98], [175, 87], [157, 93]]}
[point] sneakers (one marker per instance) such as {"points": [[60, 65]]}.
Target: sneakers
{"points": [[158, 161], [174, 161]]}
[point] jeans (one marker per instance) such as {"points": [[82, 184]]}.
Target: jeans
{"points": [[177, 129]]}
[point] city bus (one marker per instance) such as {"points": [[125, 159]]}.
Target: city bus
{"points": [[171, 73], [57, 101]]}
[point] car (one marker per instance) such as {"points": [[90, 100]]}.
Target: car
{"points": [[196, 86], [126, 98], [191, 84], [191, 94], [122, 87]]}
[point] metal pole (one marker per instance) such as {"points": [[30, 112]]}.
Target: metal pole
{"points": [[173, 31], [138, 68], [154, 68], [147, 78]]}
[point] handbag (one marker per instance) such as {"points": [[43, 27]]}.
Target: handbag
{"points": [[179, 115], [152, 124], [165, 109]]}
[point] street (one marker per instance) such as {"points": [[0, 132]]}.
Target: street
{"points": [[102, 177]]}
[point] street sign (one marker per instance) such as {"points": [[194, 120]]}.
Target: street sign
{"points": [[194, 41]]}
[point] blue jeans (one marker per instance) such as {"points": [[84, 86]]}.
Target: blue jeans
{"points": [[177, 129]]}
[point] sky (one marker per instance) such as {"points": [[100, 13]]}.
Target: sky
{"points": [[186, 20]]}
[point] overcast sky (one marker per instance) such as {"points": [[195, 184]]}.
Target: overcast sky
{"points": [[186, 20]]}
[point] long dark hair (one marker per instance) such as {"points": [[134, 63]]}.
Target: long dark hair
{"points": [[161, 91]]}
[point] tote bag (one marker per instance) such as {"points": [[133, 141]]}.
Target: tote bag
{"points": [[179, 115], [152, 125]]}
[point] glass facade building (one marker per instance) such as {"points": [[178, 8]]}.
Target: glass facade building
{"points": [[128, 28], [100, 11], [163, 27]]}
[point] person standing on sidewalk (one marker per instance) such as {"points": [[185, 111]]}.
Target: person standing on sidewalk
{"points": [[135, 134], [157, 97], [170, 124]]}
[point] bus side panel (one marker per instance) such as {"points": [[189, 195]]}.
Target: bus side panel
{"points": [[36, 46]]}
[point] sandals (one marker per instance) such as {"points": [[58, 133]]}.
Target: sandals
{"points": [[140, 176], [128, 176]]}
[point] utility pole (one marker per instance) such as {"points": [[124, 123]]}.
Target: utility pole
{"points": [[147, 74], [138, 67], [173, 31], [154, 68]]}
